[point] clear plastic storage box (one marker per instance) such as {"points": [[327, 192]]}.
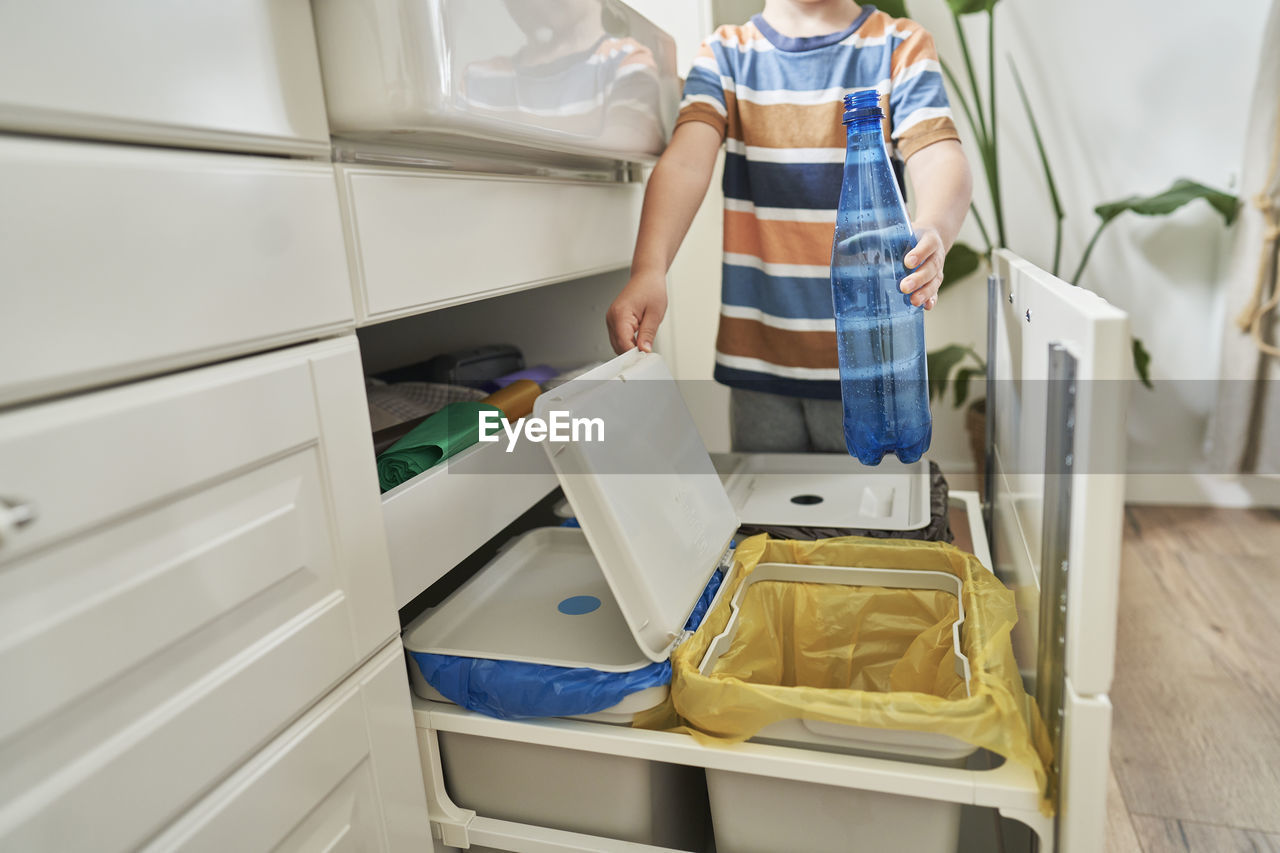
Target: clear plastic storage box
{"points": [[582, 77]]}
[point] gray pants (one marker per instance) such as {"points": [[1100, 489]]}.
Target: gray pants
{"points": [[773, 423]]}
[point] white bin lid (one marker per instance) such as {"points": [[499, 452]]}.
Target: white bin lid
{"points": [[647, 496], [827, 490]]}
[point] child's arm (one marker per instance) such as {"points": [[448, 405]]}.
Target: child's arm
{"points": [[943, 187], [676, 189]]}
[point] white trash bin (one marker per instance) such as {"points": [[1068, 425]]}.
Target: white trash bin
{"points": [[825, 819]]}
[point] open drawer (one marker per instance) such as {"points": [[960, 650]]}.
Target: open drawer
{"points": [[1056, 483], [590, 78]]}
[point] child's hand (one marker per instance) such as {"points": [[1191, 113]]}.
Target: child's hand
{"points": [[634, 316], [925, 263]]}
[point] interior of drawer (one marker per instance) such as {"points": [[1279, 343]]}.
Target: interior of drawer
{"points": [[441, 516]]}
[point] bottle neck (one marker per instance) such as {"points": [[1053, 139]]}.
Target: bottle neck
{"points": [[860, 126]]}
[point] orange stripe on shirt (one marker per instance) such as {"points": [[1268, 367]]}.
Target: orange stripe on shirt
{"points": [[777, 241], [784, 347], [917, 47]]}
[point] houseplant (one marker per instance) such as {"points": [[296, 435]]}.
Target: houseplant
{"points": [[955, 365]]}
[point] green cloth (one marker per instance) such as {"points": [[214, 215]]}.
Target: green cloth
{"points": [[450, 430]]}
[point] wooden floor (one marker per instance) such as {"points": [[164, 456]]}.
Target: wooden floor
{"points": [[1195, 753]]}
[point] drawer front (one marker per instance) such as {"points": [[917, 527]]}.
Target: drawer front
{"points": [[191, 582], [344, 778], [121, 261], [439, 517], [422, 241], [238, 74]]}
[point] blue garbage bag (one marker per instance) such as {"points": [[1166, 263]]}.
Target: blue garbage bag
{"points": [[515, 690]]}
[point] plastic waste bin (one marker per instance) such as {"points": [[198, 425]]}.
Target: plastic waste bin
{"points": [[614, 598]]}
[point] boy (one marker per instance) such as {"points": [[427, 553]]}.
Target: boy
{"points": [[772, 92]]}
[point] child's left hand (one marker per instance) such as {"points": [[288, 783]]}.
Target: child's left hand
{"points": [[925, 263]]}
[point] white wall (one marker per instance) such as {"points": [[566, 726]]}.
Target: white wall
{"points": [[1129, 96], [1126, 106]]}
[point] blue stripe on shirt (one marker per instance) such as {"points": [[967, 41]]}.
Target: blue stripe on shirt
{"points": [[923, 90], [843, 65], [811, 186], [779, 296], [702, 82]]}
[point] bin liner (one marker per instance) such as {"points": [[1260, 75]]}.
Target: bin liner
{"points": [[515, 690], [937, 530], [450, 430], [729, 706]]}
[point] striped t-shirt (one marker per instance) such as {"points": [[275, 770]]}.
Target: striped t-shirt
{"points": [[778, 102]]}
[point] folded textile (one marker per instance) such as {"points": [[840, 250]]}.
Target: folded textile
{"points": [[397, 402], [453, 428]]}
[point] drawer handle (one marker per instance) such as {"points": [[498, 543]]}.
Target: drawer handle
{"points": [[14, 515]]}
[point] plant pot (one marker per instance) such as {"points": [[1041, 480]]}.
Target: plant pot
{"points": [[975, 423]]}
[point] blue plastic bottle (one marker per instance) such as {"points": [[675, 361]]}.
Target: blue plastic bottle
{"points": [[880, 333]]}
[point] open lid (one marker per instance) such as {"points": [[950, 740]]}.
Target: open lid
{"points": [[643, 488]]}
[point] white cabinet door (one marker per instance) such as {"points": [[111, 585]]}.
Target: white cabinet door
{"points": [[344, 778], [206, 559], [119, 261], [239, 74], [422, 240]]}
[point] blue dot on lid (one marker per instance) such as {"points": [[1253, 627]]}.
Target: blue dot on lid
{"points": [[577, 605]]}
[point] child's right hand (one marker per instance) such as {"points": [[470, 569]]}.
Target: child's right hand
{"points": [[634, 316]]}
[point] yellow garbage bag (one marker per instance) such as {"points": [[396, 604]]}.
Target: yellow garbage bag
{"points": [[861, 656]]}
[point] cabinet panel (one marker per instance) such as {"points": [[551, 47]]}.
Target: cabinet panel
{"points": [[332, 782], [423, 240], [238, 74], [188, 586], [122, 261]]}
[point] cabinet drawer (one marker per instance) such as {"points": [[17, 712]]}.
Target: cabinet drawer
{"points": [[423, 240], [343, 778], [205, 560], [439, 517], [122, 261], [240, 74]]}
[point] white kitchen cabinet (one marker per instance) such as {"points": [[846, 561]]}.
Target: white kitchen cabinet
{"points": [[202, 559], [236, 74], [119, 261]]}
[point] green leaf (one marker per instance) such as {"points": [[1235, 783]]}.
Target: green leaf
{"points": [[963, 375], [1181, 192], [960, 263], [1044, 165], [894, 8], [939, 365], [1142, 363], [968, 7]]}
